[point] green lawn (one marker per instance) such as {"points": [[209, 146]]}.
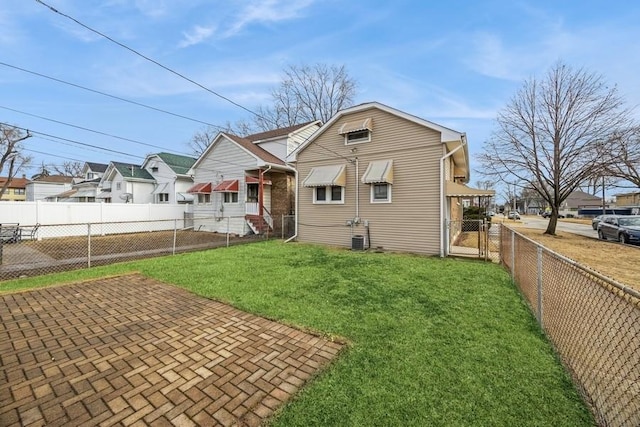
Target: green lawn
{"points": [[432, 341]]}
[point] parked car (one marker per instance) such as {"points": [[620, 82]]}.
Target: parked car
{"points": [[513, 215], [547, 214], [595, 221], [623, 228]]}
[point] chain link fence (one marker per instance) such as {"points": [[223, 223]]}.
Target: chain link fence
{"points": [[474, 238], [54, 248], [592, 321]]}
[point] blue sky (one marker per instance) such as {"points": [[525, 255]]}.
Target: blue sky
{"points": [[456, 63]]}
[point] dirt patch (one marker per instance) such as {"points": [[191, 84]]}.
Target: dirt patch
{"points": [[619, 262], [66, 247]]}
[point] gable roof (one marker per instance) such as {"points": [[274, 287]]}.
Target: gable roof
{"points": [[178, 163], [274, 133], [97, 167], [131, 172], [454, 141], [259, 153], [579, 199]]}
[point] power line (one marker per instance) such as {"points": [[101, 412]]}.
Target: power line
{"points": [[111, 96], [149, 59], [90, 130], [69, 140]]}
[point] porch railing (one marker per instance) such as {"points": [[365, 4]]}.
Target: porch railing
{"points": [[251, 208]]}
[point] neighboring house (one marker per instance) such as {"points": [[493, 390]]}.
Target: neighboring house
{"points": [[579, 200], [374, 176], [44, 187], [628, 199], [243, 184], [283, 141], [86, 188], [16, 190], [126, 183], [172, 177]]}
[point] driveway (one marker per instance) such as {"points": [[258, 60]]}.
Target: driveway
{"points": [[129, 350]]}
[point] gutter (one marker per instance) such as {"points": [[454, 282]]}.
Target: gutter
{"points": [[443, 231]]}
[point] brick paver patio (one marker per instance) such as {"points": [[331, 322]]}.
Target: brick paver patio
{"points": [[129, 350]]}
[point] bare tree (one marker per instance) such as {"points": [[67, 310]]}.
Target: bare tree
{"points": [[307, 93], [204, 136], [625, 156], [68, 168], [12, 158], [553, 134]]}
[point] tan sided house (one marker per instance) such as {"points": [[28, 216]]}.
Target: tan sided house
{"points": [[376, 177]]}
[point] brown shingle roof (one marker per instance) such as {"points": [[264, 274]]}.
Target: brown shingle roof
{"points": [[275, 132], [56, 178], [261, 153], [15, 182]]}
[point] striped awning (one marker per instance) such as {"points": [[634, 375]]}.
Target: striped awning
{"points": [[203, 187], [161, 188], [254, 180], [377, 172], [228, 186], [326, 176], [356, 126]]}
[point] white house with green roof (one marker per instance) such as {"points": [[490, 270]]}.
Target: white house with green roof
{"points": [[127, 183], [171, 175]]}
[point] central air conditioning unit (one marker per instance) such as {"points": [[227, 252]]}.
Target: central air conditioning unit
{"points": [[357, 243]]}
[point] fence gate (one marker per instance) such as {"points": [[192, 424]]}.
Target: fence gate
{"points": [[474, 238]]}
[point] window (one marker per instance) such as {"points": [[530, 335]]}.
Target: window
{"points": [[252, 193], [332, 194], [163, 197], [118, 186], [204, 198], [381, 193], [230, 197], [91, 175], [357, 137], [18, 191]]}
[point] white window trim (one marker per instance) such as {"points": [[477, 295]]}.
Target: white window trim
{"points": [[388, 199], [360, 141], [205, 202], [328, 193], [231, 203]]}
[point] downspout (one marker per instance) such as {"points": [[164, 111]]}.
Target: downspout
{"points": [[443, 233], [357, 218], [295, 219]]}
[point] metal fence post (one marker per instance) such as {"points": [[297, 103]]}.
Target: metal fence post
{"points": [[89, 245], [540, 285], [175, 232], [228, 231], [513, 255]]}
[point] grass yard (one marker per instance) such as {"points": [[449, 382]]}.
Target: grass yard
{"points": [[431, 341]]}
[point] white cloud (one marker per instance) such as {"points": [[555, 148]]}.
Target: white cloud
{"points": [[197, 35], [265, 11]]}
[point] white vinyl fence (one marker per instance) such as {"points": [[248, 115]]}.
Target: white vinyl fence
{"points": [[53, 213]]}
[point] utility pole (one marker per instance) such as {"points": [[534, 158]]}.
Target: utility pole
{"points": [[604, 206]]}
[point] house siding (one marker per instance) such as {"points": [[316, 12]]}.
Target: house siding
{"points": [[411, 222], [225, 161]]}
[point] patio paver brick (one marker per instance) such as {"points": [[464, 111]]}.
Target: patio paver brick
{"points": [[131, 350]]}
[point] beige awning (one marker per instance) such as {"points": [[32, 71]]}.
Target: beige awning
{"points": [[356, 126], [453, 189], [378, 172], [325, 176]]}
